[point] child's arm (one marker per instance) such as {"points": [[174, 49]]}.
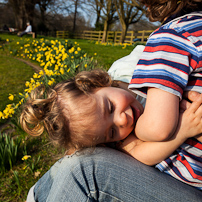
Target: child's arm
{"points": [[160, 116], [151, 153]]}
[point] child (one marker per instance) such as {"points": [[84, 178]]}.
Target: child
{"points": [[86, 111], [170, 64]]}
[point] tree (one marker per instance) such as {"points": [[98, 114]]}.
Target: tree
{"points": [[105, 10], [97, 7], [109, 12], [129, 12], [71, 8], [75, 15], [23, 11], [43, 6], [47, 15], [6, 16]]}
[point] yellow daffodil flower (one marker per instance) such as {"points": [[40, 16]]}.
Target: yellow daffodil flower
{"points": [[24, 158], [11, 97]]}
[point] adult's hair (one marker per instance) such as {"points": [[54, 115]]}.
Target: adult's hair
{"points": [[63, 110], [159, 10]]}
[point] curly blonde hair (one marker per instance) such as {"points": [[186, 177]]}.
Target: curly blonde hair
{"points": [[62, 111], [158, 10]]}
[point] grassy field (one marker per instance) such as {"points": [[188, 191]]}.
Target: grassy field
{"points": [[13, 75], [16, 182], [106, 55]]}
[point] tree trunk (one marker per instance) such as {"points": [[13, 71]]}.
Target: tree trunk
{"points": [[124, 31], [42, 15], [18, 22], [97, 17], [128, 14], [104, 37], [75, 12]]}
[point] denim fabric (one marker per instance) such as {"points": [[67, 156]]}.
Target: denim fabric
{"points": [[109, 175]]}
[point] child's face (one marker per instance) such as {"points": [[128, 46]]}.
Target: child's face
{"points": [[118, 112]]}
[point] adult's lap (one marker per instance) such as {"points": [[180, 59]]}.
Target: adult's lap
{"points": [[105, 174]]}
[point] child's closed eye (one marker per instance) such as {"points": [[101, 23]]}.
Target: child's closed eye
{"points": [[111, 107], [112, 133]]}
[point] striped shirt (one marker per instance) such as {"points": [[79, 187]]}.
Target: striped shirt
{"points": [[172, 61], [172, 58], [185, 164]]}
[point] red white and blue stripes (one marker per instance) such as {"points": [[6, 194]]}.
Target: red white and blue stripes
{"points": [[172, 58], [172, 61], [185, 164]]}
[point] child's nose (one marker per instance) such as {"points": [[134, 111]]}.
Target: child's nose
{"points": [[121, 120]]}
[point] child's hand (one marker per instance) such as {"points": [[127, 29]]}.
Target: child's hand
{"points": [[188, 98], [191, 95], [190, 121]]}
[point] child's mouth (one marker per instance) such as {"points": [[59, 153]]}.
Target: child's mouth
{"points": [[136, 115]]}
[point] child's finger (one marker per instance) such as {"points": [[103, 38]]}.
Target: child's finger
{"points": [[191, 95], [198, 112], [196, 104]]}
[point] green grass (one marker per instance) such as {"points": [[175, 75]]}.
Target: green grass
{"points": [[14, 191], [13, 75], [106, 55], [13, 36]]}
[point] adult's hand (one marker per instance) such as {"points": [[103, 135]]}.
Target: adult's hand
{"points": [[188, 98]]}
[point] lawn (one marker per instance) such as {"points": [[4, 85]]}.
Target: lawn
{"points": [[106, 54], [13, 75], [16, 182]]}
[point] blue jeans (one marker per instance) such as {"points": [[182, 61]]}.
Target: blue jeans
{"points": [[108, 175], [22, 33]]}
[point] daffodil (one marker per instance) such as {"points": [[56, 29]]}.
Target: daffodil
{"points": [[56, 59], [11, 97], [24, 158], [35, 75], [1, 115]]}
